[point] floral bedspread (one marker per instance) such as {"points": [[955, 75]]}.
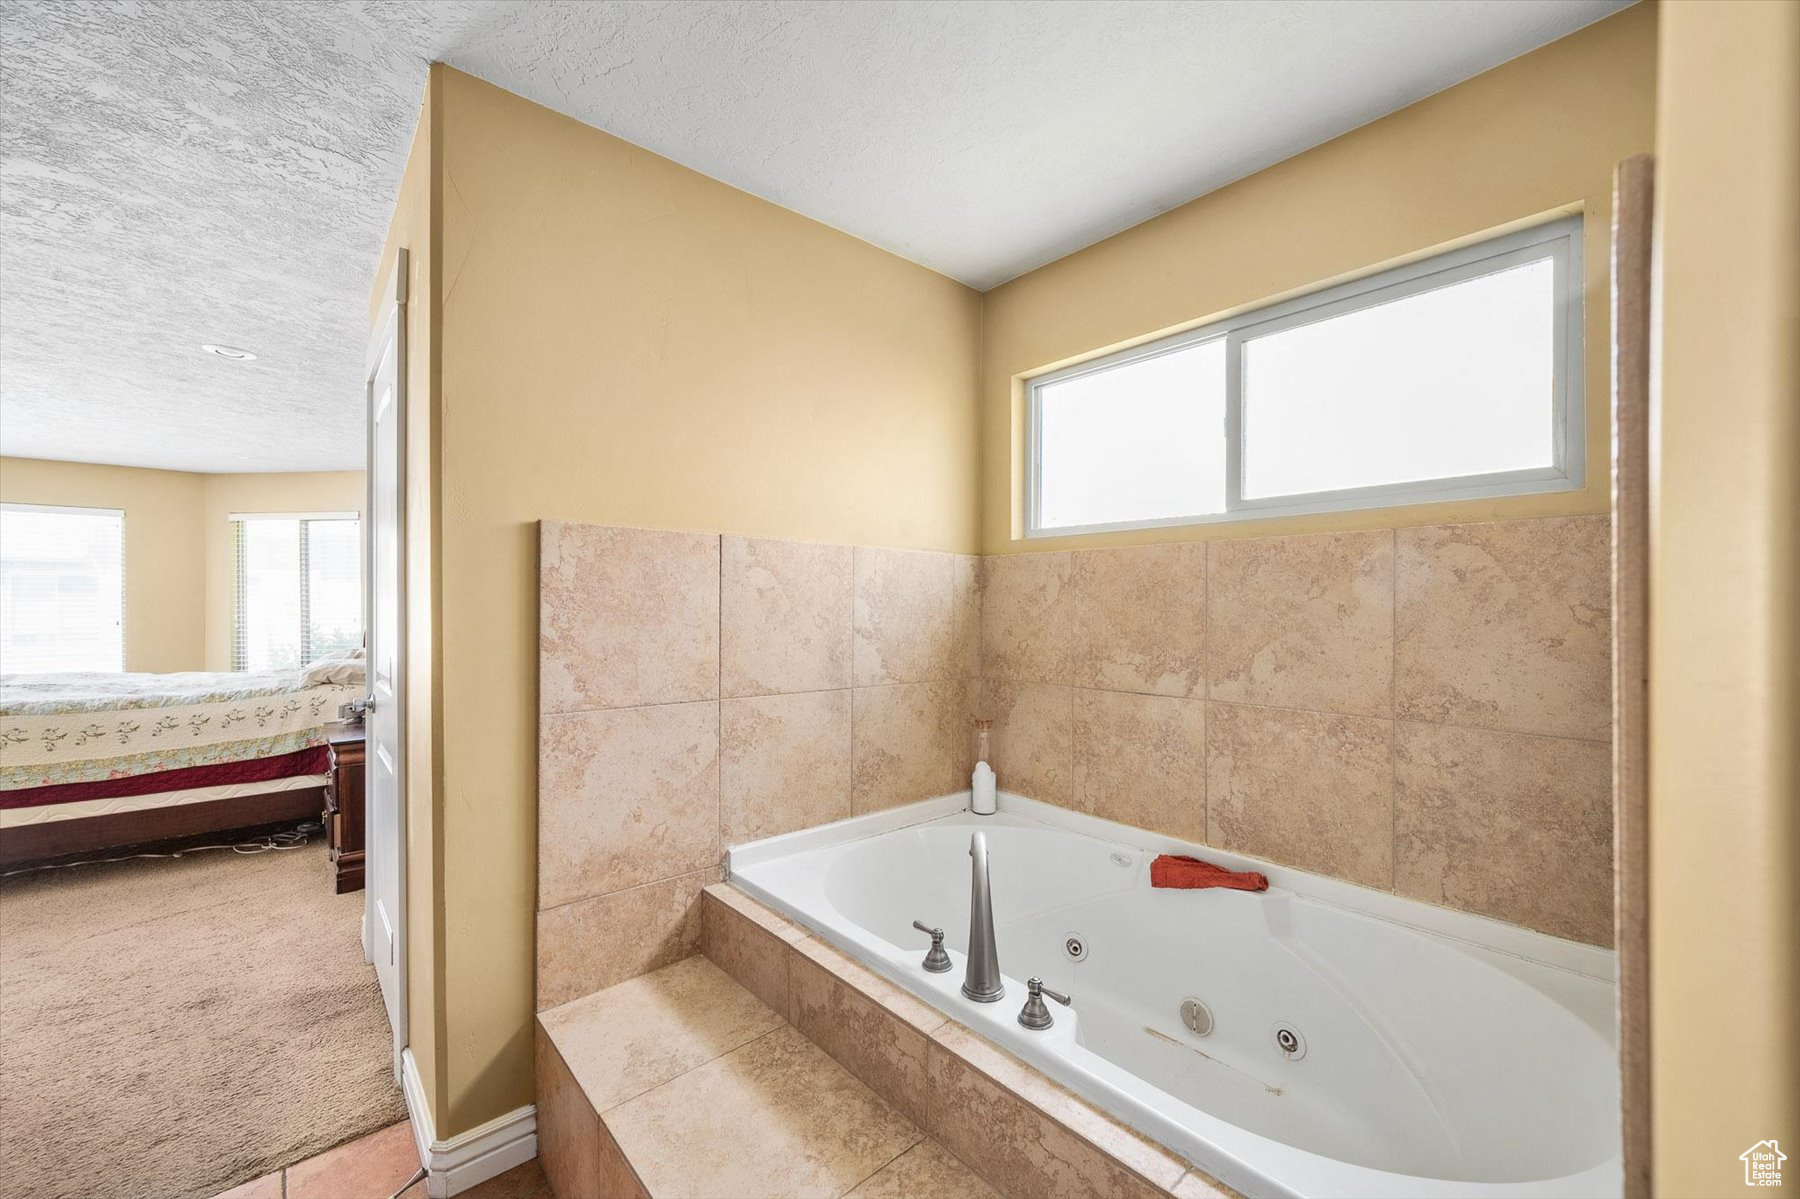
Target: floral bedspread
{"points": [[74, 728]]}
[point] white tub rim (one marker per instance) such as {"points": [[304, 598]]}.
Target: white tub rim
{"points": [[1450, 924]]}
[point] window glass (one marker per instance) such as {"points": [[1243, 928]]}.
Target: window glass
{"points": [[334, 586], [1451, 382], [269, 595], [1142, 441], [62, 590], [299, 590]]}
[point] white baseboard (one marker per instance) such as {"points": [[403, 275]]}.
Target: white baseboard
{"points": [[455, 1165]]}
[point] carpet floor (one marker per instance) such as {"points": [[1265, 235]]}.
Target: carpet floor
{"points": [[172, 1027]]}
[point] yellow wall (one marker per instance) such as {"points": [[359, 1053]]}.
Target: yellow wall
{"points": [[165, 554], [1725, 598], [416, 229], [1535, 136], [304, 491], [178, 555], [626, 341]]}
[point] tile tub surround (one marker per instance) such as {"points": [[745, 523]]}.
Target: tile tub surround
{"points": [[1273, 696], [1336, 701], [698, 690], [683, 1083], [1026, 1135]]}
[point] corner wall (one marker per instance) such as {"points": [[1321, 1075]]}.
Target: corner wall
{"points": [[625, 341], [1724, 816]]}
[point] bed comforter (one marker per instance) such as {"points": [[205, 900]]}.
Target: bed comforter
{"points": [[82, 736]]}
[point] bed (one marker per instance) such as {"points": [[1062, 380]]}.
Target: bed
{"points": [[92, 761]]}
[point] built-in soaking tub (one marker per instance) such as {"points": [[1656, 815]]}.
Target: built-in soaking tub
{"points": [[1435, 1053]]}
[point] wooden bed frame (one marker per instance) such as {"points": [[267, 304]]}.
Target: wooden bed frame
{"points": [[120, 832]]}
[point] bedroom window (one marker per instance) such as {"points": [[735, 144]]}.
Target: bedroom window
{"points": [[62, 589], [299, 588], [1457, 377]]}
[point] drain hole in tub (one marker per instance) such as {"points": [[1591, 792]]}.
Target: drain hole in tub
{"points": [[1197, 1016], [1290, 1042], [1074, 947]]}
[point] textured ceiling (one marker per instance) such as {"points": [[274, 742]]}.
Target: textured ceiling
{"points": [[189, 172]]}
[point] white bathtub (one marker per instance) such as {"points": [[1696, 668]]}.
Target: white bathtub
{"points": [[1445, 1054]]}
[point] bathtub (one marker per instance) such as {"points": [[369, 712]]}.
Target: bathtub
{"points": [[1426, 1052]]}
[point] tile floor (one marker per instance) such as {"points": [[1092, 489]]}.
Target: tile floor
{"points": [[374, 1167]]}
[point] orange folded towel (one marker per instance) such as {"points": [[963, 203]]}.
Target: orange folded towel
{"points": [[1171, 870]]}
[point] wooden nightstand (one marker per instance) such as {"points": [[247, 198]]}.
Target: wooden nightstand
{"points": [[344, 805]]}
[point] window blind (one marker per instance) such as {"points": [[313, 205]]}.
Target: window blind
{"points": [[298, 588], [62, 589]]}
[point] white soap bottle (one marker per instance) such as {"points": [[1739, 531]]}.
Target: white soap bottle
{"points": [[981, 783]]}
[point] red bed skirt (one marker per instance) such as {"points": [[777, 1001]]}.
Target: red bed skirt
{"points": [[316, 760]]}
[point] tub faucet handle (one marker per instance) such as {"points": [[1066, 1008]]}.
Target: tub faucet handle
{"points": [[936, 961], [1036, 1014]]}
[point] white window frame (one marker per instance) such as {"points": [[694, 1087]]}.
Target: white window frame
{"points": [[1558, 240]]}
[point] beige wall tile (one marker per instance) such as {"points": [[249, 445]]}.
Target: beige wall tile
{"points": [[1027, 618], [1033, 738], [910, 743], [775, 1117], [626, 796], [748, 942], [886, 1052], [1062, 1107], [1303, 622], [1050, 1145], [626, 617], [1141, 760], [1512, 826], [568, 1129], [620, 1042], [926, 1171], [905, 620], [1507, 625], [965, 615], [756, 912], [590, 944], [893, 1000], [1302, 788], [785, 616], [1140, 619], [617, 1180], [784, 763]]}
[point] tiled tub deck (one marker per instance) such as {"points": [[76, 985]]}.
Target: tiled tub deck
{"points": [[776, 1066]]}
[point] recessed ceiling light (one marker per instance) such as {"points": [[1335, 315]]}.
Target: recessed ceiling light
{"points": [[231, 352]]}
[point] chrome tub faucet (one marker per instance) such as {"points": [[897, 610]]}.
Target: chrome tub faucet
{"points": [[981, 982]]}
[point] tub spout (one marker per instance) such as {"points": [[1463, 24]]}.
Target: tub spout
{"points": [[982, 980]]}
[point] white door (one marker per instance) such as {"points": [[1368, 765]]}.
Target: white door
{"points": [[384, 901]]}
